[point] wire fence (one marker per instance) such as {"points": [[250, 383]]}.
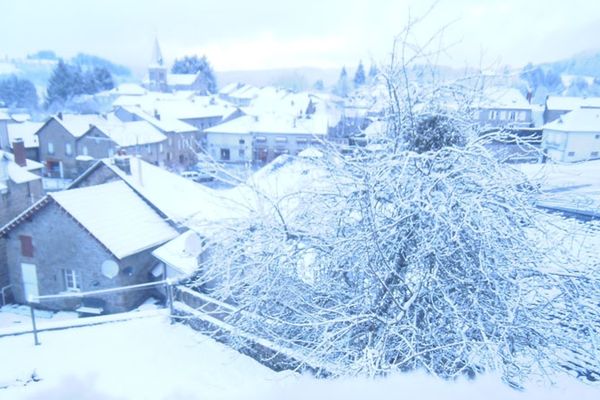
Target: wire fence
{"points": [[167, 284]]}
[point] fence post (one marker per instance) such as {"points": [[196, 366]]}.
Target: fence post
{"points": [[35, 335], [170, 295]]}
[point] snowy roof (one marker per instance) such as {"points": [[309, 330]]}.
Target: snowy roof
{"points": [[116, 216], [15, 172], [181, 253], [126, 134], [565, 103], [20, 117], [30, 165], [244, 91], [311, 152], [186, 109], [578, 120], [26, 131], [276, 181], [181, 79], [165, 124], [230, 88], [177, 197], [500, 97], [4, 115], [376, 129], [129, 89], [273, 124], [79, 124]]}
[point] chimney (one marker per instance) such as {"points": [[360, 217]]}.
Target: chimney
{"points": [[156, 115], [123, 163], [529, 96], [59, 115], [19, 152]]}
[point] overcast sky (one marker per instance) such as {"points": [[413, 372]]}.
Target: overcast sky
{"points": [[259, 34]]}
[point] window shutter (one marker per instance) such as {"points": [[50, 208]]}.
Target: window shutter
{"points": [[26, 246]]}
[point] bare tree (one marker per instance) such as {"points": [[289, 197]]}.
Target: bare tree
{"points": [[422, 251]]}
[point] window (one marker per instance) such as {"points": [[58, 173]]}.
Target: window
{"points": [[85, 150], [149, 149], [225, 154], [68, 149], [571, 154], [72, 280], [241, 153], [50, 148], [512, 116], [111, 152], [502, 115], [242, 141], [26, 246], [597, 137], [493, 114], [160, 147], [594, 154]]}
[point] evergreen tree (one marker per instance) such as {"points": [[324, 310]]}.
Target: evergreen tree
{"points": [[103, 79], [60, 84], [194, 65], [19, 93], [319, 85], [373, 71], [68, 81], [359, 76], [342, 87]]}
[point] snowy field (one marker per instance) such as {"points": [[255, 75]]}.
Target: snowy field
{"points": [[152, 359], [138, 359]]}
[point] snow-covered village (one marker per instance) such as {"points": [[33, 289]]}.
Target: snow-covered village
{"points": [[316, 200]]}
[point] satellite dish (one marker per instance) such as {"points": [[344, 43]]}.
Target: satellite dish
{"points": [[110, 269], [193, 245]]}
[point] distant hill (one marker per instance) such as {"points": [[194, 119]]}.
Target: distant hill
{"points": [[575, 76], [583, 64], [38, 67]]}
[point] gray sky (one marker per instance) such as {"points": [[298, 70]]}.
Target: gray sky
{"points": [[261, 34]]}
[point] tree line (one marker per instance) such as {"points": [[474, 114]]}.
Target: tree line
{"points": [[66, 82]]}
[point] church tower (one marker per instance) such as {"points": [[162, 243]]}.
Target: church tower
{"points": [[157, 72]]}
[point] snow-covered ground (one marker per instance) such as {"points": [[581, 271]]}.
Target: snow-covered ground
{"points": [[151, 359], [138, 359], [583, 177]]}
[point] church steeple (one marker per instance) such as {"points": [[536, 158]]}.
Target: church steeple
{"points": [[157, 72], [157, 58]]}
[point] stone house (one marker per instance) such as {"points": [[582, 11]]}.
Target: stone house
{"points": [[85, 239], [4, 121], [260, 139], [20, 187], [58, 143], [181, 145], [574, 136], [20, 183], [504, 108], [69, 142], [26, 131], [555, 106], [112, 135]]}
